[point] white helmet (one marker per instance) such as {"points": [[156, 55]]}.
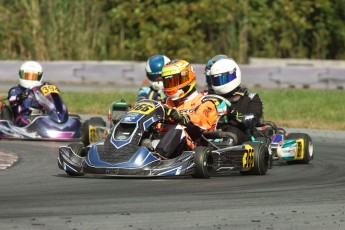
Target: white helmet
{"points": [[30, 74], [225, 76]]}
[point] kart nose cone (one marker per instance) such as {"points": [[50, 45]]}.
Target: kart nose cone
{"points": [[59, 117], [62, 117]]}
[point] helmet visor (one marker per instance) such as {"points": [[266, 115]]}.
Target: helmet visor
{"points": [[154, 76], [208, 80], [174, 80], [30, 76], [223, 78]]}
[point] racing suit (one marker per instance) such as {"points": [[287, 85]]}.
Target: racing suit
{"points": [[21, 100], [245, 113], [150, 93], [201, 116]]}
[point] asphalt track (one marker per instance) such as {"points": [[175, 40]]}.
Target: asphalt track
{"points": [[36, 194]]}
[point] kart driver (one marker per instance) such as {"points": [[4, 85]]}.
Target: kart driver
{"points": [[184, 105], [246, 110], [153, 71], [208, 66], [21, 97]]}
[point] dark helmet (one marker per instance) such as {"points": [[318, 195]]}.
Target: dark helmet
{"points": [[154, 66]]}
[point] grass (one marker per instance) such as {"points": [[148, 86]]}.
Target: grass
{"points": [[96, 103], [314, 109], [319, 109]]}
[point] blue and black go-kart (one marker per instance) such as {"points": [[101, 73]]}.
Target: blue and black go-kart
{"points": [[129, 151]]}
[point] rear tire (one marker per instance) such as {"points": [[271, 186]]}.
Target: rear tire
{"points": [[261, 159], [266, 141], [308, 147], [203, 160], [93, 121]]}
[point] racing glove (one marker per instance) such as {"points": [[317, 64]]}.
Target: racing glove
{"points": [[177, 116], [19, 99], [249, 120], [234, 114]]}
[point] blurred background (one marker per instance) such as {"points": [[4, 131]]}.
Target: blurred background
{"points": [[195, 29], [87, 47], [278, 43]]}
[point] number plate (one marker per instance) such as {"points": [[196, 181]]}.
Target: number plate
{"points": [[143, 108], [48, 89]]}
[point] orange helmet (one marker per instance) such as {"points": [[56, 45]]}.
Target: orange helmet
{"points": [[178, 79]]}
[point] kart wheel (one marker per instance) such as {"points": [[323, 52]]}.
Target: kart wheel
{"points": [[93, 121], [6, 113], [261, 159], [78, 149], [203, 160], [308, 147], [266, 142]]}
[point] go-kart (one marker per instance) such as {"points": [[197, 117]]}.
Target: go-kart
{"points": [[129, 151], [289, 147], [51, 122]]}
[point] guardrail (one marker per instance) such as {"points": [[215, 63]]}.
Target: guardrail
{"points": [[264, 75]]}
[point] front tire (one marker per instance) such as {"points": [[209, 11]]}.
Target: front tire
{"points": [[79, 150], [203, 160]]}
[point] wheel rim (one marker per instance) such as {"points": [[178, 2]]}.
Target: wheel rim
{"points": [[208, 163], [310, 149]]}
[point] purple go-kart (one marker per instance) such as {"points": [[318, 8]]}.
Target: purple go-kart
{"points": [[52, 122]]}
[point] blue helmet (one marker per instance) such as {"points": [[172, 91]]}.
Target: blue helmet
{"points": [[154, 66], [209, 65]]}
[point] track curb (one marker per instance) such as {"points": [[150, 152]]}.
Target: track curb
{"points": [[7, 159]]}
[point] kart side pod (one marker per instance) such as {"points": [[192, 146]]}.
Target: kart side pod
{"points": [[251, 158]]}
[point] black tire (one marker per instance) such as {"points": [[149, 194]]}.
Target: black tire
{"points": [[6, 113], [308, 147], [261, 159], [203, 160], [93, 121], [266, 142], [78, 149]]}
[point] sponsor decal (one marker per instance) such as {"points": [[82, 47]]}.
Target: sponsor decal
{"points": [[293, 149], [132, 117], [112, 171], [121, 137], [299, 149], [248, 157]]}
